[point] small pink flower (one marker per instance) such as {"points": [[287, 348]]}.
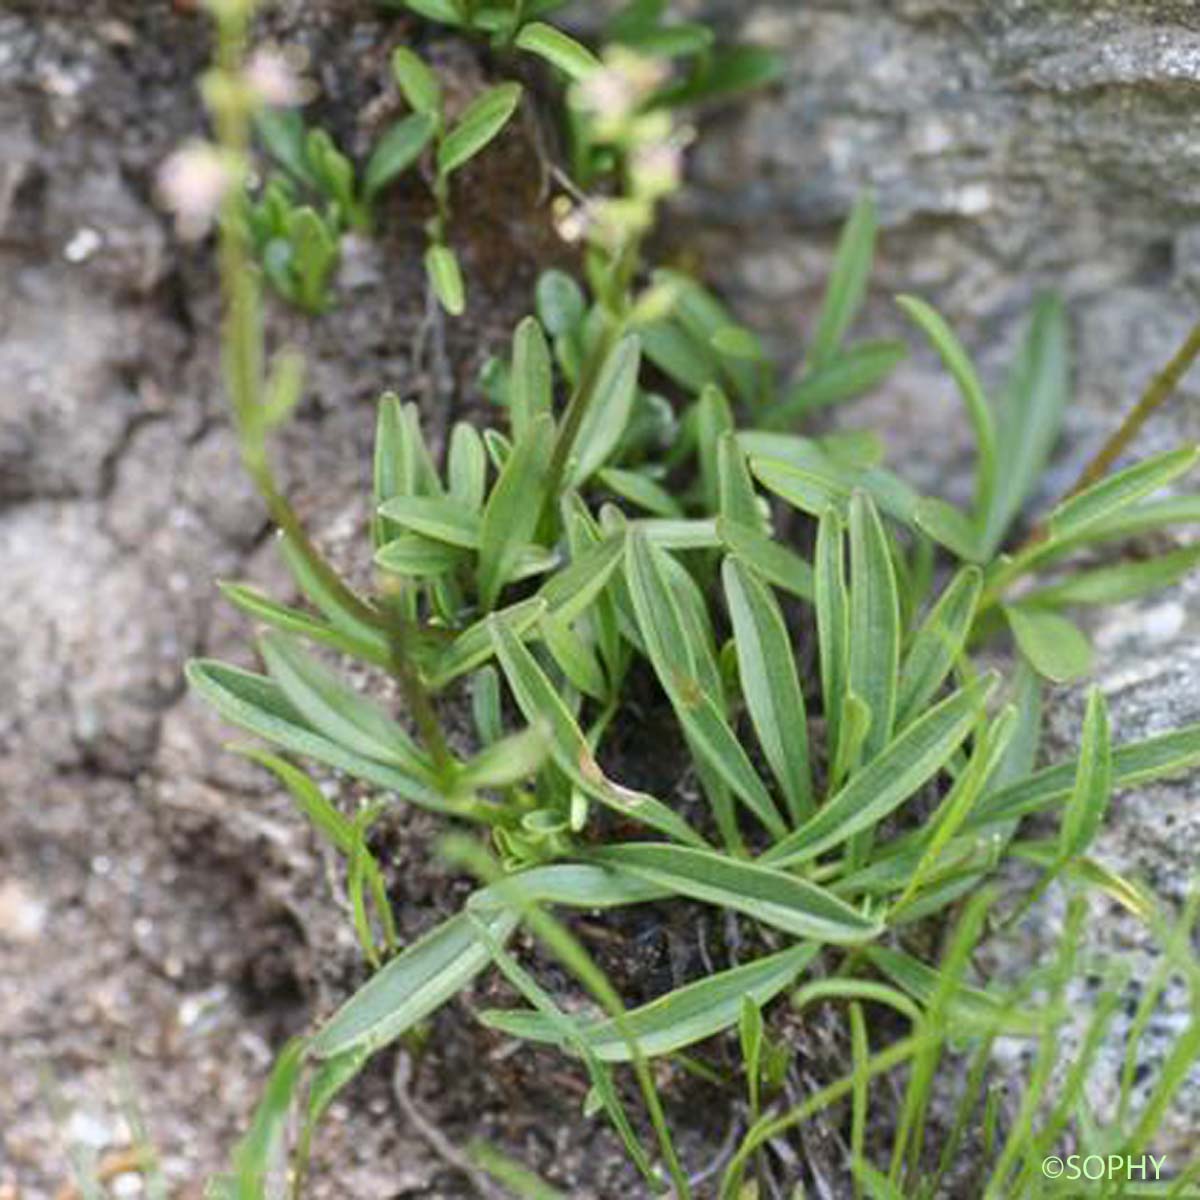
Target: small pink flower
{"points": [[272, 79], [191, 185]]}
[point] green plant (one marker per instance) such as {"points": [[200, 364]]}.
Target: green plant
{"points": [[839, 844]]}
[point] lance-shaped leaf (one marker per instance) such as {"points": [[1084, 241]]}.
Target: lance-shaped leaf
{"points": [[770, 684], [847, 286], [833, 622], [851, 372], [257, 704], [574, 60], [1132, 765], [396, 151], [1105, 499], [971, 1007], [1029, 419], [768, 895], [737, 500], [416, 81], [978, 409], [419, 557], [611, 405], [445, 277], [370, 647], [938, 644], [909, 762], [1089, 797], [531, 381], [679, 1019], [512, 512], [466, 466], [638, 488], [1119, 582], [479, 124], [335, 711], [1055, 647], [442, 519], [874, 650], [539, 700], [779, 566], [439, 965], [673, 657], [473, 647]]}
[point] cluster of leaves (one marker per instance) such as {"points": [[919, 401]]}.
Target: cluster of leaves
{"points": [[298, 244], [298, 218], [630, 516]]}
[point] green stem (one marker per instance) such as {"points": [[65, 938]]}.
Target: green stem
{"points": [[243, 355], [1156, 395]]}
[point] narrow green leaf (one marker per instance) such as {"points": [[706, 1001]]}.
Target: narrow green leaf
{"points": [[416, 983], [575, 658], [466, 466], [1055, 647], [444, 961], [1089, 798], [770, 683], [1105, 499], [714, 419], [811, 491], [531, 382], [505, 762], [414, 556], [479, 124], [512, 512], [611, 405], [538, 700], [679, 1019], [771, 896], [574, 60], [396, 151], [443, 520], [779, 566], [257, 704], [847, 286], [641, 490], [445, 277], [737, 500], [979, 410], [1132, 765], [335, 711], [258, 1151], [1029, 419], [416, 81], [671, 534], [938, 644], [473, 646], [1119, 582], [571, 591], [723, 73], [850, 373], [373, 648], [874, 629], [283, 134], [561, 306], [909, 762], [832, 603], [949, 527], [969, 1007], [674, 658]]}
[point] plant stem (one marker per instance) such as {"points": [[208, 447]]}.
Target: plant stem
{"points": [[243, 356], [1156, 395]]}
